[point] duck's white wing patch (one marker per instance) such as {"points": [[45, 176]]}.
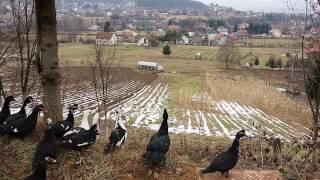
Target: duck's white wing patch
{"points": [[15, 130], [76, 131], [83, 144]]}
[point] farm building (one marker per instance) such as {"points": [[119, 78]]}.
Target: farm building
{"points": [[106, 38], [143, 42], [152, 66], [222, 39]]}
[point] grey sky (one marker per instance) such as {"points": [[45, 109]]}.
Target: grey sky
{"points": [[258, 5]]}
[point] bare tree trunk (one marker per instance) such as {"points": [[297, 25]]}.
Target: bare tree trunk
{"points": [[49, 62]]}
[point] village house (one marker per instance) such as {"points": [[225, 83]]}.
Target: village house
{"points": [[242, 34], [106, 38], [222, 39], [143, 42], [185, 40], [126, 35], [315, 31], [243, 26], [223, 30], [277, 33], [173, 27], [95, 28]]}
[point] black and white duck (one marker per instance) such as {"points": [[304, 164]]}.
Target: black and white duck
{"points": [[77, 138], [119, 134], [5, 111], [22, 126], [61, 127], [227, 160], [22, 113]]}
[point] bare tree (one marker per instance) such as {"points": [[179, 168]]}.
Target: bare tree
{"points": [[23, 21], [7, 46], [49, 67], [105, 60], [228, 53]]}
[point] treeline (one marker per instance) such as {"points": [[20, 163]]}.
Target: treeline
{"points": [[259, 28], [215, 23], [171, 4]]}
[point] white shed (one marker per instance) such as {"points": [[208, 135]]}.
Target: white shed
{"points": [[143, 42], [152, 66]]}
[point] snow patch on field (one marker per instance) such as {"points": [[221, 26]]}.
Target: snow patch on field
{"points": [[144, 108]]}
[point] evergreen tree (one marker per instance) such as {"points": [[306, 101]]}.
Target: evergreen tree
{"points": [[256, 61], [107, 27], [272, 62], [279, 63], [166, 50], [235, 29]]}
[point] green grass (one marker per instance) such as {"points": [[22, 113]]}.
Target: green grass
{"points": [[181, 60]]}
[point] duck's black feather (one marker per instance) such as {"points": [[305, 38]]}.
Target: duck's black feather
{"points": [[159, 143], [61, 127], [77, 138], [47, 147], [226, 160], [23, 126], [21, 114], [116, 136], [39, 174], [5, 111]]}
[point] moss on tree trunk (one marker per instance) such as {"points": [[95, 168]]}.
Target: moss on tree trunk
{"points": [[49, 62]]}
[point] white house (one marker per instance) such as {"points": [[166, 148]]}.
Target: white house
{"points": [[95, 28], [185, 40], [223, 30], [277, 33], [143, 42], [106, 38], [151, 66]]}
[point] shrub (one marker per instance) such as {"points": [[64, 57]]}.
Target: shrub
{"points": [[272, 62], [256, 61], [279, 63], [166, 50]]}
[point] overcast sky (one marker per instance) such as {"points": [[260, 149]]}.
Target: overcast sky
{"points": [[257, 5]]}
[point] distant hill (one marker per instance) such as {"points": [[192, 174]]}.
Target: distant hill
{"points": [[172, 4]]}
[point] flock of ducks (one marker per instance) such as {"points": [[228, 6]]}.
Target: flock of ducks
{"points": [[63, 134]]}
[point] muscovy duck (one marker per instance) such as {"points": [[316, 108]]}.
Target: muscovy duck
{"points": [[5, 111], [118, 135], [61, 127], [39, 174], [22, 113], [46, 149], [226, 160], [22, 126], [78, 137], [85, 123], [159, 143]]}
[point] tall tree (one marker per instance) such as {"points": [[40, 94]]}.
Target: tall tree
{"points": [[23, 15], [228, 54], [49, 68]]}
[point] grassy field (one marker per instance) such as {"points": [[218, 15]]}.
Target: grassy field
{"points": [[129, 55], [202, 90]]}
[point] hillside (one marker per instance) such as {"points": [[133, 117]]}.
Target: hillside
{"points": [[176, 4]]}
